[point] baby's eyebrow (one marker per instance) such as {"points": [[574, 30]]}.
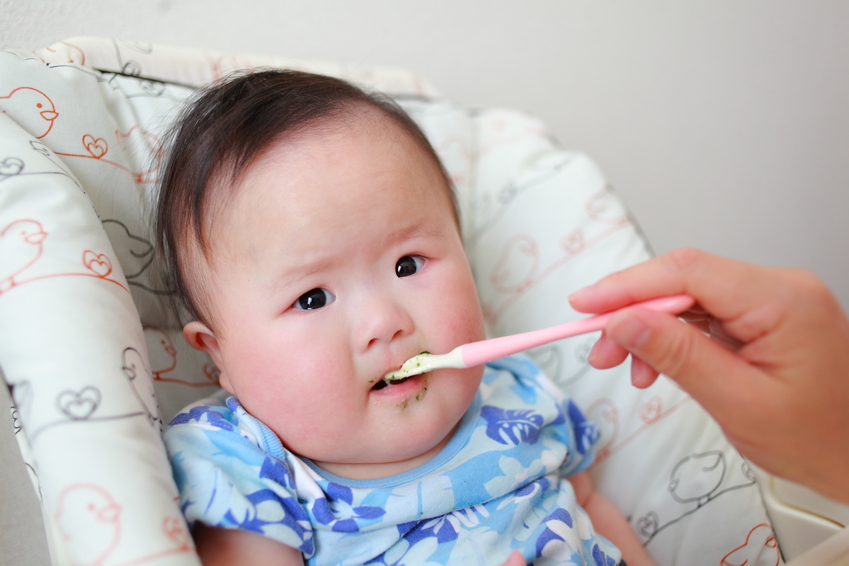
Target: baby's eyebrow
{"points": [[413, 231], [290, 276]]}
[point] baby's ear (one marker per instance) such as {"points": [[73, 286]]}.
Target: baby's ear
{"points": [[200, 337]]}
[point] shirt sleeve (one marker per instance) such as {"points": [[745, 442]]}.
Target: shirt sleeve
{"points": [[227, 480], [579, 434], [584, 434]]}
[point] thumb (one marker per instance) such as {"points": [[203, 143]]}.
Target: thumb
{"points": [[515, 559], [707, 371]]}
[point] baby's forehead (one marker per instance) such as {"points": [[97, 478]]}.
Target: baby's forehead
{"points": [[356, 127], [331, 153]]}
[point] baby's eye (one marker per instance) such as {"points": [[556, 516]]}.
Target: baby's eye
{"points": [[314, 299], [408, 265]]}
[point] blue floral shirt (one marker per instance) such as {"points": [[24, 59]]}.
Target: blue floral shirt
{"points": [[498, 485]]}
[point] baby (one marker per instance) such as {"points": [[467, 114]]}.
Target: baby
{"points": [[313, 234]]}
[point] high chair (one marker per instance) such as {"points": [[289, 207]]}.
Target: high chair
{"points": [[96, 363]]}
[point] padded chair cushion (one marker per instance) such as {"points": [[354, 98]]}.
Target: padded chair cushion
{"points": [[86, 336]]}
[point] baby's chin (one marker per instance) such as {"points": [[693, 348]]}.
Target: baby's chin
{"points": [[395, 456]]}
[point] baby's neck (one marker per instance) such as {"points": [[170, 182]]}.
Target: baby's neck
{"points": [[371, 471]]}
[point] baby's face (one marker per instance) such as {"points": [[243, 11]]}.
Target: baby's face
{"points": [[337, 260]]}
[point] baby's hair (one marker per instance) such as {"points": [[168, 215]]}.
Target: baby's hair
{"points": [[226, 129]]}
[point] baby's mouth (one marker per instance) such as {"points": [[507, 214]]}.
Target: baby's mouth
{"points": [[383, 383]]}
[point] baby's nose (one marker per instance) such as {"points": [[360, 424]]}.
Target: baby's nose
{"points": [[384, 322]]}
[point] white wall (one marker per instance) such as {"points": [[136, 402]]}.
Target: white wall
{"points": [[723, 124]]}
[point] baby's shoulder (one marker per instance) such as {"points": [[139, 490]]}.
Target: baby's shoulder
{"points": [[220, 416], [209, 411], [518, 384], [522, 375]]}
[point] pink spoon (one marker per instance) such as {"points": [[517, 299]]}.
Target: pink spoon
{"points": [[476, 353]]}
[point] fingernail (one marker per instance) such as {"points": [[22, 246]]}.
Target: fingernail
{"points": [[579, 293], [642, 374], [631, 333], [594, 352]]}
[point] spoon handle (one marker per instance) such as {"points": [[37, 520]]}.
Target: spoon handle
{"points": [[477, 353]]}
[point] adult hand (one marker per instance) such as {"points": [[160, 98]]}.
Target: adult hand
{"points": [[515, 559], [766, 353]]}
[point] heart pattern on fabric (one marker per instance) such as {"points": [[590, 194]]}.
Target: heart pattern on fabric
{"points": [[11, 166], [79, 405], [174, 529], [759, 538], [152, 88], [40, 148], [652, 410], [97, 147], [99, 264], [573, 243], [647, 524]]}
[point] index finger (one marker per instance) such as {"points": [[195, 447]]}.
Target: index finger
{"points": [[724, 287]]}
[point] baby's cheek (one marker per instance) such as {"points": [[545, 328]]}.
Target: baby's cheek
{"points": [[467, 321], [459, 314]]}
